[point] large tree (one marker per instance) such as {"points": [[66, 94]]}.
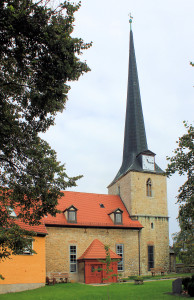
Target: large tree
{"points": [[183, 163], [38, 57]]}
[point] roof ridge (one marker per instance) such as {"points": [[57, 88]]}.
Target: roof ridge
{"points": [[108, 195]]}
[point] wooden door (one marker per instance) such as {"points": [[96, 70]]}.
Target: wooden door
{"points": [[95, 274]]}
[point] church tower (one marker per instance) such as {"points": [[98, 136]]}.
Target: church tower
{"points": [[140, 182]]}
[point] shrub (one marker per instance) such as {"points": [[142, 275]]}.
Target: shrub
{"points": [[139, 278], [191, 288], [185, 282]]}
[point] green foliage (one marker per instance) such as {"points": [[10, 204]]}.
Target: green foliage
{"points": [[139, 278], [1, 277], [183, 246], [185, 282], [12, 241], [183, 163], [38, 57], [191, 288], [188, 283], [107, 262]]}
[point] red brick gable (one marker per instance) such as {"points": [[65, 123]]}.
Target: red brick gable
{"points": [[92, 211], [96, 250]]}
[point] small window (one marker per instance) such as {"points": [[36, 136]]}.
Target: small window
{"points": [[119, 190], [73, 258], [11, 212], [27, 250], [118, 217], [72, 215], [150, 257], [101, 205], [152, 225], [149, 188], [119, 251]]}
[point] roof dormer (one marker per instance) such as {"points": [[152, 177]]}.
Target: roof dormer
{"points": [[71, 214], [117, 216]]}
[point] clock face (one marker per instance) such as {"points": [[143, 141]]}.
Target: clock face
{"points": [[148, 162]]}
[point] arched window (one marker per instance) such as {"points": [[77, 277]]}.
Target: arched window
{"points": [[149, 188]]}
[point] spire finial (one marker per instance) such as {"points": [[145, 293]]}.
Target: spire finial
{"points": [[130, 20]]}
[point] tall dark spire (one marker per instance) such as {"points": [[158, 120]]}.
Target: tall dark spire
{"points": [[135, 135], [135, 141]]}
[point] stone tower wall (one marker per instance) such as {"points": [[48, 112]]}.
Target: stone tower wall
{"points": [[132, 189], [158, 236], [150, 211]]}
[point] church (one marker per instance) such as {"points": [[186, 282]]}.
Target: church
{"points": [[132, 219]]}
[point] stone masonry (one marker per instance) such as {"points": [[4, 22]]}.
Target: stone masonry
{"points": [[150, 211], [59, 239]]}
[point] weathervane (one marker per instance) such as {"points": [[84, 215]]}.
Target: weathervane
{"points": [[130, 19]]}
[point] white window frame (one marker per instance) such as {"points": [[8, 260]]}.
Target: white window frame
{"points": [[72, 263], [121, 253], [72, 216], [26, 250], [118, 218], [11, 212]]}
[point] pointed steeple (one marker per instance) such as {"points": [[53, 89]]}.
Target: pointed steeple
{"points": [[135, 135], [135, 141]]}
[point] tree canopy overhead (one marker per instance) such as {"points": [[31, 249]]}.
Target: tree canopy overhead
{"points": [[38, 57], [183, 163]]}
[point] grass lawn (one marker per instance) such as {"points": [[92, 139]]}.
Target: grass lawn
{"points": [[153, 290]]}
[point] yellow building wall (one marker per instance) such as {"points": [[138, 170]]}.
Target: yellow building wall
{"points": [[22, 269]]}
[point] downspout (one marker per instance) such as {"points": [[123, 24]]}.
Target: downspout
{"points": [[139, 251], [84, 272]]}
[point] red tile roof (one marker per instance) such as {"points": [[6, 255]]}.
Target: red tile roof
{"points": [[96, 250], [89, 211], [39, 229]]}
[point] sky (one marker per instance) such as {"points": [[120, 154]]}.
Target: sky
{"points": [[88, 135]]}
